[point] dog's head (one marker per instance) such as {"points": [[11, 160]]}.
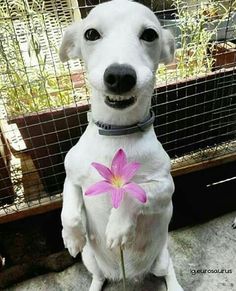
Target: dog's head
{"points": [[121, 43]]}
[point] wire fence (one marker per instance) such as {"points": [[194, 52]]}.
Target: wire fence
{"points": [[44, 103]]}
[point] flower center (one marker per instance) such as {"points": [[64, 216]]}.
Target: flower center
{"points": [[117, 182]]}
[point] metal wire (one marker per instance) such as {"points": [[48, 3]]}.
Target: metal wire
{"points": [[43, 103]]}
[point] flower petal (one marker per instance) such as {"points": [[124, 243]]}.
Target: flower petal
{"points": [[118, 162], [117, 195], [99, 188], [130, 170], [103, 171], [136, 191]]}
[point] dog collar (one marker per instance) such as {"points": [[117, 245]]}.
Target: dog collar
{"points": [[116, 130]]}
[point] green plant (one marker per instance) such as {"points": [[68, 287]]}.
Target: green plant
{"points": [[218, 9], [30, 81], [194, 57]]}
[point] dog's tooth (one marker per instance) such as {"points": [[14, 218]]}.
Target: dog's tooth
{"points": [[119, 97]]}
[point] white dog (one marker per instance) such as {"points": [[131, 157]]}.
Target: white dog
{"points": [[121, 43]]}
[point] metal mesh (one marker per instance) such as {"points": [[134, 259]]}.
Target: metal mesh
{"points": [[44, 104]]}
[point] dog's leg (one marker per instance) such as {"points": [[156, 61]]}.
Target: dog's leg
{"points": [[172, 283], [92, 266], [159, 194], [171, 280], [73, 218], [122, 234], [163, 266]]}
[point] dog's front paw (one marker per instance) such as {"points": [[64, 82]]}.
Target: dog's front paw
{"points": [[74, 241], [119, 234]]}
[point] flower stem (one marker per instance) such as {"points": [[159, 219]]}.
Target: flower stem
{"points": [[123, 268]]}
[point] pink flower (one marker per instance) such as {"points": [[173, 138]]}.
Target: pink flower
{"points": [[117, 180]]}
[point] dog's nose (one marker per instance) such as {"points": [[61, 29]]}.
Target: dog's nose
{"points": [[119, 78]]}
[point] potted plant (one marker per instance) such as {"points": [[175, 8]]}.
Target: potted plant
{"points": [[7, 194], [195, 107], [217, 18], [224, 55], [220, 17], [38, 93]]}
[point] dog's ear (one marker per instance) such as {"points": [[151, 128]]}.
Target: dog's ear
{"points": [[70, 46], [168, 47]]}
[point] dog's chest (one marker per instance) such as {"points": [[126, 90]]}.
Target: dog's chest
{"points": [[95, 148]]}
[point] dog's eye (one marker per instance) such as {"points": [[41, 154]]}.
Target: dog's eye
{"points": [[149, 35], [92, 34]]}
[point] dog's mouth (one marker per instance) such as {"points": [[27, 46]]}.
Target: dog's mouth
{"points": [[120, 102]]}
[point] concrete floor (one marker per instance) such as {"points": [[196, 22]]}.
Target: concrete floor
{"points": [[204, 257]]}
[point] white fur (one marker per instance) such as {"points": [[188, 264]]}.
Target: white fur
{"points": [[90, 223]]}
